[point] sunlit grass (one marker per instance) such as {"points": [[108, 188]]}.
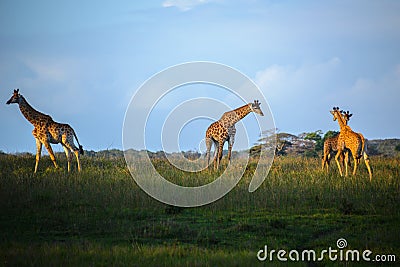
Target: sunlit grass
{"points": [[101, 217]]}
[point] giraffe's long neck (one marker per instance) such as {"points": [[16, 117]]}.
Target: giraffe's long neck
{"points": [[342, 122], [242, 112], [31, 114], [232, 117]]}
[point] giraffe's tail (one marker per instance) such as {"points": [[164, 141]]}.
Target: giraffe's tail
{"points": [[81, 150], [80, 147]]}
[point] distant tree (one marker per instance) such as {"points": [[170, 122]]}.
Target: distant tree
{"points": [[267, 141], [255, 151], [191, 154], [330, 134], [317, 137], [397, 148]]}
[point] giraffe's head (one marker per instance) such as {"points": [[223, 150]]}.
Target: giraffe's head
{"points": [[346, 115], [255, 107], [15, 98], [336, 113]]}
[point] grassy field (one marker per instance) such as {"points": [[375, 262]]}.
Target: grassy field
{"points": [[100, 217]]}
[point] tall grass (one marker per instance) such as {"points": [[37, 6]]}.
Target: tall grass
{"points": [[101, 217]]}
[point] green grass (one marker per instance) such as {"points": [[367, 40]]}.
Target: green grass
{"points": [[100, 217]]}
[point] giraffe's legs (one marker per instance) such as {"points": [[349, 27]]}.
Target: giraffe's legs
{"points": [[68, 142], [51, 153], [229, 150], [325, 161], [230, 145], [328, 161], [69, 146], [366, 160], [355, 163], [219, 155], [208, 147], [324, 158], [216, 145], [69, 158], [76, 152], [231, 141], [337, 161], [38, 153], [216, 149], [346, 161], [217, 159], [348, 158]]}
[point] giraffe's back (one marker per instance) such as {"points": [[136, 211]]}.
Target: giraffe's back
{"points": [[59, 132], [351, 140], [330, 143], [217, 131]]}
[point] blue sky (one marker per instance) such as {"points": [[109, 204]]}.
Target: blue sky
{"points": [[81, 62]]}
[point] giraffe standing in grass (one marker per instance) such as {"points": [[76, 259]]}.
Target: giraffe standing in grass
{"points": [[346, 116], [330, 146], [224, 130], [352, 141], [47, 131]]}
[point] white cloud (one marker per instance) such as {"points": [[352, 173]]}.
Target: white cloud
{"points": [[384, 90], [50, 82], [374, 103], [271, 77], [49, 70], [300, 98], [299, 95], [281, 81], [184, 5]]}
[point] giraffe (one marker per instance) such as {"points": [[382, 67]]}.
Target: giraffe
{"points": [[47, 131], [224, 130], [330, 145], [349, 140], [347, 116]]}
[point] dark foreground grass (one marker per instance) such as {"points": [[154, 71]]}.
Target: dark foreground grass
{"points": [[99, 217]]}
